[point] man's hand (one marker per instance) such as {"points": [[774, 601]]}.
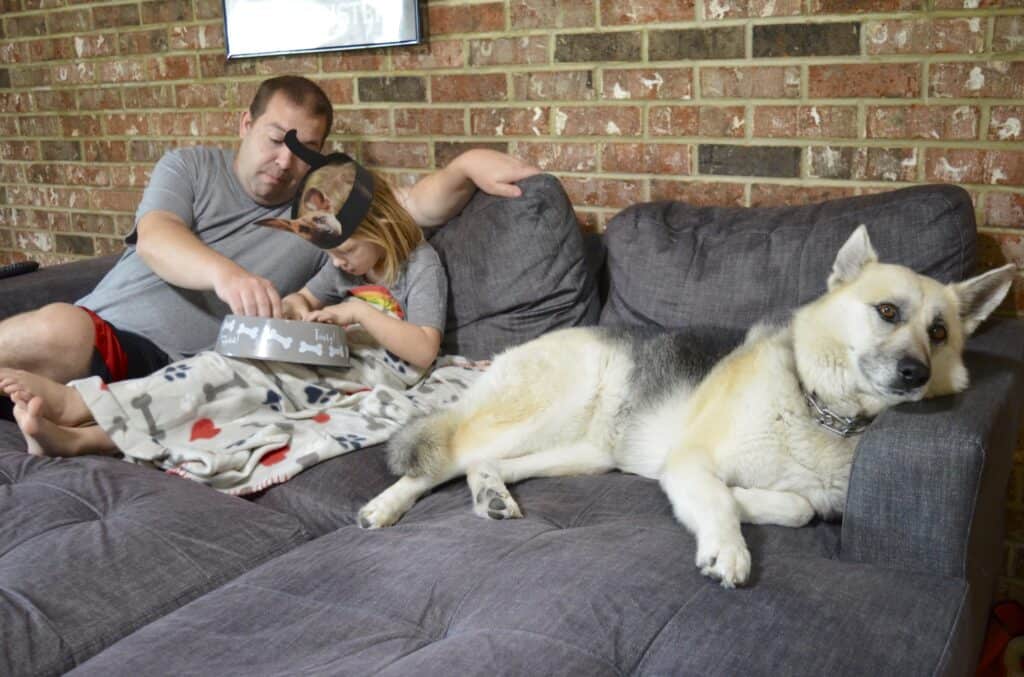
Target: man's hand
{"points": [[247, 294], [494, 172], [344, 313]]}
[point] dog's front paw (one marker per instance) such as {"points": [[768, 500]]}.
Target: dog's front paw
{"points": [[496, 504], [729, 563], [377, 513]]}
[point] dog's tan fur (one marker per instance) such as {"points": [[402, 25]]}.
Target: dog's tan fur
{"points": [[739, 444]]}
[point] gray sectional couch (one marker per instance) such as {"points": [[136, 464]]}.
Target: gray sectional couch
{"points": [[111, 569]]}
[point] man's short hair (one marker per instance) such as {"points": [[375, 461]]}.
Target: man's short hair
{"points": [[300, 91]]}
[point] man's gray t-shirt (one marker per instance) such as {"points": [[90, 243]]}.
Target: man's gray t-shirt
{"points": [[199, 185], [421, 288]]}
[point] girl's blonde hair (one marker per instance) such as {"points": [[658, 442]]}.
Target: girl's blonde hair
{"points": [[390, 226]]}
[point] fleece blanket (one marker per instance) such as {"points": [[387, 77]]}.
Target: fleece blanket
{"points": [[241, 426]]}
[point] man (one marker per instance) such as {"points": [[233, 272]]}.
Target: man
{"points": [[195, 253]]}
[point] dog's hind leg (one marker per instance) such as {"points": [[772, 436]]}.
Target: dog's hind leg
{"points": [[705, 505], [490, 495], [762, 506]]}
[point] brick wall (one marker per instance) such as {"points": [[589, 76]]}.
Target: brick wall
{"points": [[725, 102]]}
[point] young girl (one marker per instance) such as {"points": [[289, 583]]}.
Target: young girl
{"points": [[384, 277]]}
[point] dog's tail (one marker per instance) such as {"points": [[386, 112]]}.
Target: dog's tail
{"points": [[422, 447]]}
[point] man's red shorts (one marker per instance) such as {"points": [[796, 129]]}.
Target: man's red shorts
{"points": [[119, 355]]}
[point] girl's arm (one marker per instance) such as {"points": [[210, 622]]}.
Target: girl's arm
{"points": [[295, 306], [415, 344]]}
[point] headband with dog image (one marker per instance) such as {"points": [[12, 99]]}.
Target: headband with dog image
{"points": [[332, 199]]}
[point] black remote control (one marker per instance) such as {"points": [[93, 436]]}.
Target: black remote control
{"points": [[17, 268]]}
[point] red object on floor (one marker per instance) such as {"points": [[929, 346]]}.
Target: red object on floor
{"points": [[1005, 624]]}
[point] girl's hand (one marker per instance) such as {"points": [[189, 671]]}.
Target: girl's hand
{"points": [[344, 313], [294, 307]]}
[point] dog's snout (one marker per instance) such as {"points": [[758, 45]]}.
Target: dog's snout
{"points": [[913, 373]]}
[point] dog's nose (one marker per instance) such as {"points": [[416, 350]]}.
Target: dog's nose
{"points": [[913, 373]]}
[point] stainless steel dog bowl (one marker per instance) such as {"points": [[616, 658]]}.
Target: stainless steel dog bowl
{"points": [[263, 338]]}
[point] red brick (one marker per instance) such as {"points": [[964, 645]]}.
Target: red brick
{"points": [[362, 122], [997, 249], [104, 151], [115, 200], [977, 4], [100, 98], [127, 124], [434, 54], [922, 122], [699, 194], [87, 175], [531, 49], [773, 195], [722, 121], [92, 45], [122, 70], [208, 9], [147, 96], [815, 122], [131, 176], [1004, 210], [194, 38], [673, 120], [70, 21], [1008, 34], [925, 36], [1005, 123], [166, 11], [17, 102], [73, 74], [460, 88], [39, 125], [429, 122], [598, 121], [171, 68], [595, 192], [556, 85], [407, 155], [482, 18], [551, 13], [559, 157], [854, 6], [362, 60], [863, 164], [42, 76], [647, 83], [80, 125], [995, 79], [865, 80], [647, 158], [226, 123], [636, 12], [33, 241], [777, 82], [1004, 167], [60, 100], [13, 53], [509, 121], [178, 124], [150, 41], [340, 91], [18, 151], [48, 49], [208, 95], [740, 9], [955, 165]]}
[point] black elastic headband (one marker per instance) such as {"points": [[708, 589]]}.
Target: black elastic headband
{"points": [[356, 205]]}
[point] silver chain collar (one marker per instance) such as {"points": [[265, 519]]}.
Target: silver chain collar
{"points": [[844, 426]]}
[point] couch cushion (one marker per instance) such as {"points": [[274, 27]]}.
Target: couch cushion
{"points": [[596, 579], [516, 269], [674, 265], [93, 548]]}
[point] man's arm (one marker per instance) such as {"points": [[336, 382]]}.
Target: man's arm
{"points": [[438, 197], [173, 252]]}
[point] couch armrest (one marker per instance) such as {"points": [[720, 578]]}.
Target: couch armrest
{"points": [[65, 282], [928, 485]]}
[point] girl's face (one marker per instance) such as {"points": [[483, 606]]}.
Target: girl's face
{"points": [[357, 257]]}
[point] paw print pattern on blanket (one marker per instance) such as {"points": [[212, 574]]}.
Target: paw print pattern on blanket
{"points": [[350, 441], [316, 396], [395, 362], [273, 400], [176, 371]]}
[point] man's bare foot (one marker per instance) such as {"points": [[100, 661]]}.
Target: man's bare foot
{"points": [[45, 438], [61, 404]]}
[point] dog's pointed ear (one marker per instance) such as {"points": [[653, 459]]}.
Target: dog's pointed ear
{"points": [[856, 253], [980, 295]]}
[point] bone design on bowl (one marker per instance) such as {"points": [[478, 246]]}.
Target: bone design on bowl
{"points": [[262, 338]]}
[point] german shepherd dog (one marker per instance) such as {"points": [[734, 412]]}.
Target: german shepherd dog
{"points": [[766, 436]]}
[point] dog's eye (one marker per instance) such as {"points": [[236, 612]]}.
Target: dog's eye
{"points": [[937, 333], [888, 312]]}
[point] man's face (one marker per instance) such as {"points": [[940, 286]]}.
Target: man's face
{"points": [[268, 171]]}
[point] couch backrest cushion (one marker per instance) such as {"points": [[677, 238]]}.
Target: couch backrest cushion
{"points": [[673, 265], [516, 269]]}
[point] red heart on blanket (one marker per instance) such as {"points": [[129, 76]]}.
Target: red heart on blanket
{"points": [[276, 456], [322, 417], [203, 429]]}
